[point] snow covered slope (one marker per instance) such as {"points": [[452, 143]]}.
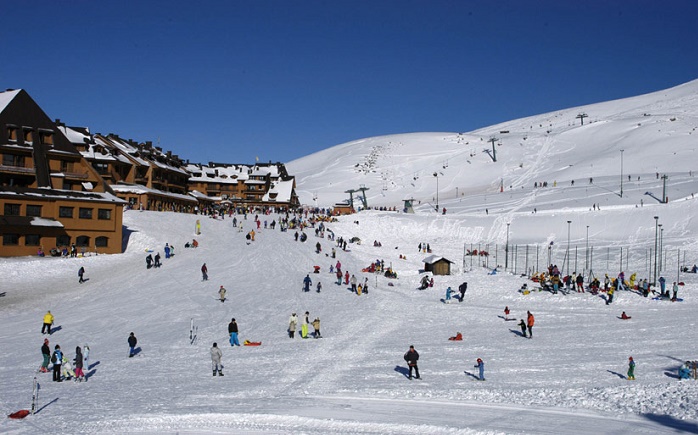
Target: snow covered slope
{"points": [[656, 131], [569, 378]]}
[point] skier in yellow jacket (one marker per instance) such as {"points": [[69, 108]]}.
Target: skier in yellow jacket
{"points": [[48, 321]]}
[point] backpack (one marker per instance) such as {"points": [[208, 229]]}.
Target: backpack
{"points": [[53, 358]]}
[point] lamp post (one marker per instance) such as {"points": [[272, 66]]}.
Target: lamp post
{"points": [[586, 253], [656, 226], [436, 174], [621, 173], [567, 255], [506, 250], [661, 234]]}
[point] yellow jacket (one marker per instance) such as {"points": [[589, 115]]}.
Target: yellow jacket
{"points": [[48, 318]]}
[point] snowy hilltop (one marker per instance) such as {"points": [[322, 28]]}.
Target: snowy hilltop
{"points": [[571, 376], [657, 133]]}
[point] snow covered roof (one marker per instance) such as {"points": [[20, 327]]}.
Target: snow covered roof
{"points": [[435, 258], [74, 136], [280, 191], [140, 190], [7, 97], [73, 195]]}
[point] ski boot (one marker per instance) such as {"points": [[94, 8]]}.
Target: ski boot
{"points": [[220, 372], [214, 373]]}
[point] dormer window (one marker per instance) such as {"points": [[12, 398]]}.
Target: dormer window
{"points": [[28, 135], [46, 137], [11, 133]]}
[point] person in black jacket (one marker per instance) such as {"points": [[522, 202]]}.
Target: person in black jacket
{"points": [[46, 353], [233, 331], [411, 356], [132, 341], [79, 374], [462, 289]]}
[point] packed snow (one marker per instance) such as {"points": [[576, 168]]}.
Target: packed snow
{"points": [[569, 378]]}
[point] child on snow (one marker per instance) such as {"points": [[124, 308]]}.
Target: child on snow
{"points": [[522, 325]]}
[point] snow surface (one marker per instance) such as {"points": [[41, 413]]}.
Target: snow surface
{"points": [[569, 378]]}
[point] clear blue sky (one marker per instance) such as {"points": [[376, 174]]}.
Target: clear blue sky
{"points": [[227, 81]]}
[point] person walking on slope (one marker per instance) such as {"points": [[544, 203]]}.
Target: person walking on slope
{"points": [[304, 325], [631, 369], [221, 293], [46, 353], [319, 286], [57, 359], [580, 283], [79, 374], [481, 366], [233, 331], [506, 313], [610, 294], [204, 272], [292, 325], [216, 356], [81, 272], [48, 321], [675, 289], [448, 295], [86, 355], [316, 327], [462, 289], [411, 357], [339, 277], [157, 261], [353, 283], [530, 322], [132, 342], [307, 282]]}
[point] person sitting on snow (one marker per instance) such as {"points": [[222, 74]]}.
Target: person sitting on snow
{"points": [[625, 316]]}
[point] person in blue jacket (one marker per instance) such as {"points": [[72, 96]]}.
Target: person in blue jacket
{"points": [[307, 283], [481, 366], [57, 360], [448, 295]]}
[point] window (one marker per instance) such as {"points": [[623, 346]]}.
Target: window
{"points": [[66, 166], [32, 240], [102, 168], [82, 241], [85, 213], [28, 135], [102, 242], [10, 239], [12, 209], [46, 137], [104, 213], [65, 212], [13, 160], [68, 185], [33, 210], [63, 240], [12, 134]]}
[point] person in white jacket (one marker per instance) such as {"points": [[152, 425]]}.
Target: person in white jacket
{"points": [[292, 325], [216, 356]]}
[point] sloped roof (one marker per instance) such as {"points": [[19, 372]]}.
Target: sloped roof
{"points": [[435, 259], [7, 97]]}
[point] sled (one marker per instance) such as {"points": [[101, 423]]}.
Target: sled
{"points": [[458, 337], [19, 414], [149, 250], [252, 343]]}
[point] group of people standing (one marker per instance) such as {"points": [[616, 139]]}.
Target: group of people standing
{"points": [[293, 326]]}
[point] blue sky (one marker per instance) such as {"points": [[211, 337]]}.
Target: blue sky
{"points": [[228, 81]]}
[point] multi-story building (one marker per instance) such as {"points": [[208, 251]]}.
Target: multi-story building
{"points": [[49, 195]]}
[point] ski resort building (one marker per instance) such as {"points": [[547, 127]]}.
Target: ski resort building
{"points": [[50, 196]]}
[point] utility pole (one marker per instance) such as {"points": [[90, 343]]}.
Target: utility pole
{"points": [[621, 173], [506, 250], [582, 116], [494, 150], [664, 198]]}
